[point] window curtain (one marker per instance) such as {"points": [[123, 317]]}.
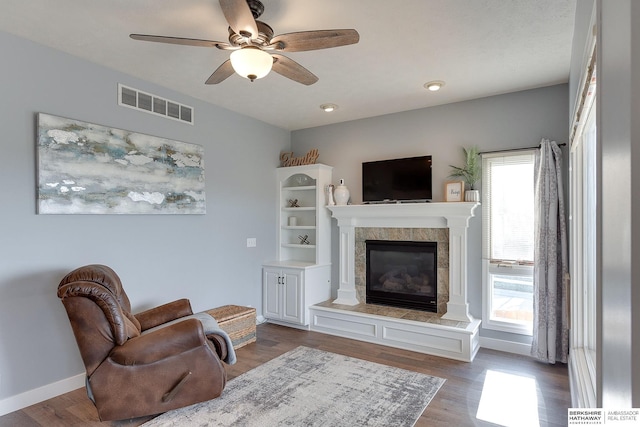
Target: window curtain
{"points": [[550, 272]]}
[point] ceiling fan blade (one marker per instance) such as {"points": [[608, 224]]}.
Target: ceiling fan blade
{"points": [[292, 70], [225, 70], [179, 40], [239, 16], [313, 40]]}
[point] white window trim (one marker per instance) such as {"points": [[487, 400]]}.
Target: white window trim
{"points": [[583, 369], [489, 268]]}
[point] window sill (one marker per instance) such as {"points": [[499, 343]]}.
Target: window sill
{"points": [[510, 327]]}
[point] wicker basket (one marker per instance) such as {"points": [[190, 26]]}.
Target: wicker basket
{"points": [[237, 321]]}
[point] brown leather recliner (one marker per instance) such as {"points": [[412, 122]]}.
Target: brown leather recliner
{"points": [[131, 373]]}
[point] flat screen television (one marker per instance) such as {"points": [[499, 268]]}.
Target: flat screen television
{"points": [[397, 180]]}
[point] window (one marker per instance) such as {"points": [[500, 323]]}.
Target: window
{"points": [[584, 217], [508, 242]]}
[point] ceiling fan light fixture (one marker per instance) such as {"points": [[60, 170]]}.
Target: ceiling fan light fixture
{"points": [[327, 108], [251, 62], [254, 48], [434, 86]]}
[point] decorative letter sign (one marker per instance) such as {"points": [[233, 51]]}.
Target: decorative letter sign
{"points": [[310, 158]]}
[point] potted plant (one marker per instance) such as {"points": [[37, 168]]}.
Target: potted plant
{"points": [[470, 173]]}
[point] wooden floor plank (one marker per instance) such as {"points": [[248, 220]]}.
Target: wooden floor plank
{"points": [[456, 403]]}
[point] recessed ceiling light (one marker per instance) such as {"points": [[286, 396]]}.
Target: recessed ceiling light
{"points": [[327, 108], [434, 86]]}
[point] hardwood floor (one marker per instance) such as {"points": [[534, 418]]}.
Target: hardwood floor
{"points": [[455, 404]]}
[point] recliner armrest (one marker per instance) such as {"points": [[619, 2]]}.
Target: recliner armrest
{"points": [[160, 344], [220, 344], [164, 313]]}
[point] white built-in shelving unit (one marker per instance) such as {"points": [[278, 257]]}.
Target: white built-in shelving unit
{"points": [[301, 274]]}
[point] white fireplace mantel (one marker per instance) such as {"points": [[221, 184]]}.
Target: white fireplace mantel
{"points": [[454, 216]]}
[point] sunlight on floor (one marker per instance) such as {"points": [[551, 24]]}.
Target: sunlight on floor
{"points": [[509, 400]]}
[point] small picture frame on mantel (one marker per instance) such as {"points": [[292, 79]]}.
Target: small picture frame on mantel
{"points": [[454, 191]]}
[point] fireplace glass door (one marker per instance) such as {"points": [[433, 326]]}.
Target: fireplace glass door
{"points": [[402, 274]]}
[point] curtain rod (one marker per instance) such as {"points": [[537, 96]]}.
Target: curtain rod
{"points": [[516, 149]]}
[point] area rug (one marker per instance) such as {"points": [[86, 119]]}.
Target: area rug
{"points": [[310, 387]]}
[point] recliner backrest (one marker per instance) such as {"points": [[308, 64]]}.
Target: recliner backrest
{"points": [[99, 312]]}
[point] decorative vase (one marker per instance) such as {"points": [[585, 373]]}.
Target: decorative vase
{"points": [[472, 196], [330, 200], [341, 194]]}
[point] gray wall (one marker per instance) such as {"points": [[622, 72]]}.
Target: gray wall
{"points": [[513, 120], [159, 257]]}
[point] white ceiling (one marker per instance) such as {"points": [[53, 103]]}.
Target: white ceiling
{"points": [[478, 47]]}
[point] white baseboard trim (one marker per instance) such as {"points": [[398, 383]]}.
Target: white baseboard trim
{"points": [[31, 397], [506, 346]]}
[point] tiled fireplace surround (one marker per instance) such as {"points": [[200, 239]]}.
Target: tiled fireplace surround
{"points": [[452, 332], [438, 235]]}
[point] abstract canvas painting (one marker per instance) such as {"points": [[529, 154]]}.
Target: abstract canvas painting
{"points": [[85, 168]]}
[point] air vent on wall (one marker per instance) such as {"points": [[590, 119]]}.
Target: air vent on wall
{"points": [[133, 98]]}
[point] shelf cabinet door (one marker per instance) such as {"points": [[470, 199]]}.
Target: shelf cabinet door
{"points": [[271, 305], [283, 295], [292, 310]]}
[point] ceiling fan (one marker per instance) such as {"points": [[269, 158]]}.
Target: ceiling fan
{"points": [[255, 50]]}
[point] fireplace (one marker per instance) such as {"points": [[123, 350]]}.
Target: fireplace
{"points": [[407, 222], [402, 274]]}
